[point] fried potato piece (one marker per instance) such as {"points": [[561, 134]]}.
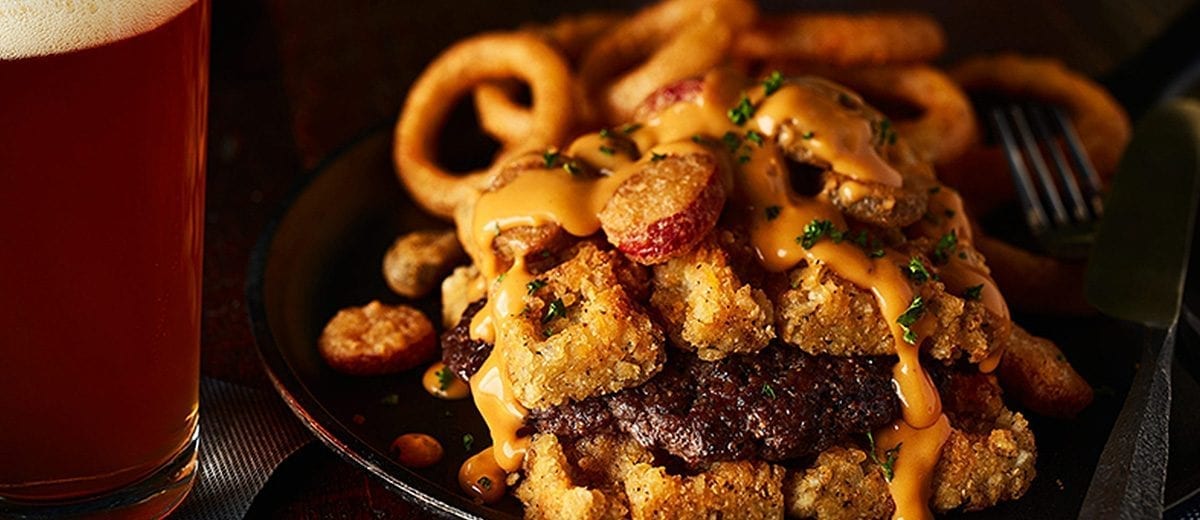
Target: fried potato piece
{"points": [[551, 491], [607, 476], [989, 457], [1035, 372], [377, 339], [462, 287], [727, 490], [415, 261], [707, 308], [824, 314], [582, 334]]}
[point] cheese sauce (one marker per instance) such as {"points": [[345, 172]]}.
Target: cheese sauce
{"points": [[440, 382], [836, 131]]}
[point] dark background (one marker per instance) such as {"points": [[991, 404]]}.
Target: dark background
{"points": [[293, 81]]}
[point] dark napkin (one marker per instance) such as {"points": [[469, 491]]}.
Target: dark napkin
{"points": [[244, 434]]}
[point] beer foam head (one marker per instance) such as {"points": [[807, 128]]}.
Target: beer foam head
{"points": [[43, 27]]}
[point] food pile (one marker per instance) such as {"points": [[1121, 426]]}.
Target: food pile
{"points": [[708, 278]]}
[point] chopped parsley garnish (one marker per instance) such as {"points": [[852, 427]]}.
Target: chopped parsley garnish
{"points": [[500, 277], [390, 400], [743, 159], [551, 157], [754, 137], [888, 465], [699, 139], [860, 239], [468, 441], [884, 133], [572, 168], [630, 128], [533, 286], [732, 141], [741, 112], [444, 378], [768, 391], [816, 230], [556, 309], [607, 150], [909, 317], [485, 483], [876, 253], [655, 157], [945, 246], [605, 133], [808, 135], [772, 83], [916, 270], [773, 212], [974, 292]]}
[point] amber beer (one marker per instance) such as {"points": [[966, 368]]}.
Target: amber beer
{"points": [[102, 131]]}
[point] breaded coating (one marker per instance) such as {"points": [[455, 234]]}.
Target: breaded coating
{"points": [[377, 339], [823, 313], [581, 334], [608, 476], [706, 308], [415, 261], [550, 492], [727, 490], [1037, 374], [462, 287], [843, 483]]}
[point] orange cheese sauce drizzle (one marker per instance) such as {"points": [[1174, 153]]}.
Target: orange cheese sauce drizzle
{"points": [[452, 389], [917, 454], [836, 134]]}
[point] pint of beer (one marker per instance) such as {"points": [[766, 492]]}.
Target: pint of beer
{"points": [[102, 131]]}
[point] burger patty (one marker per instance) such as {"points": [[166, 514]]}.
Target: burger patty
{"points": [[780, 403]]}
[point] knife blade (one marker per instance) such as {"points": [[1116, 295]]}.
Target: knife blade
{"points": [[1136, 272]]}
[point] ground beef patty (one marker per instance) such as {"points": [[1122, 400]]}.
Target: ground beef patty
{"points": [[780, 403]]}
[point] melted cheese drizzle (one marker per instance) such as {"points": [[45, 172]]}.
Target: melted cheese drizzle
{"points": [[454, 388], [916, 457], [836, 133]]}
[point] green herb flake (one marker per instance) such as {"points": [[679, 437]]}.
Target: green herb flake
{"points": [[860, 239], [556, 309], [699, 139], [500, 277], [390, 400], [754, 137], [916, 270], [630, 128], [444, 378], [876, 253], [974, 293], [814, 231], [888, 464], [909, 317], [773, 82], [485, 483], [773, 212], [604, 133], [768, 391], [468, 441], [533, 286], [743, 159], [655, 157], [808, 135], [732, 141], [551, 157], [945, 246], [741, 112], [607, 150]]}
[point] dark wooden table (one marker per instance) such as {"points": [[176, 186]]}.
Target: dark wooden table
{"points": [[293, 81]]}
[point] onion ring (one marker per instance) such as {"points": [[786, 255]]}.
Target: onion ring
{"points": [[1032, 282], [844, 40], [945, 126], [454, 73], [662, 44]]}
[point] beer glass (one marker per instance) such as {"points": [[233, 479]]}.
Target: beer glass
{"points": [[102, 128]]}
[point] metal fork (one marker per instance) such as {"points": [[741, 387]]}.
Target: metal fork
{"points": [[1029, 133]]}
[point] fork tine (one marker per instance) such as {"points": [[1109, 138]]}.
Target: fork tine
{"points": [[1035, 217], [1075, 146], [1079, 208], [1034, 153]]}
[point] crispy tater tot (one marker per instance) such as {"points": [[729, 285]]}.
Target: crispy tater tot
{"points": [[377, 339], [1037, 373]]}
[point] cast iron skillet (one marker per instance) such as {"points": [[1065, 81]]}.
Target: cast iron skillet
{"points": [[325, 251]]}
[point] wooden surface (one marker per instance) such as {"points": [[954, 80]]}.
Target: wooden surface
{"points": [[294, 81]]}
